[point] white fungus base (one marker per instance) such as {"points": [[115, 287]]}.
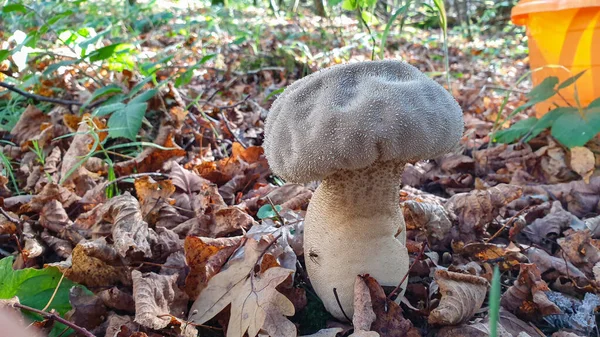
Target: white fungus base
{"points": [[354, 226]]}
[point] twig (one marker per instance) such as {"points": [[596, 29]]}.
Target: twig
{"points": [[55, 317], [396, 290], [369, 30], [337, 299], [54, 293], [38, 97], [9, 217], [507, 224]]}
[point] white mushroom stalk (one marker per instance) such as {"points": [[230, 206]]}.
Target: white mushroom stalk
{"points": [[353, 127], [354, 226]]}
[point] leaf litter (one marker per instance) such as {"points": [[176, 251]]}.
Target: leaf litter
{"points": [[182, 247]]}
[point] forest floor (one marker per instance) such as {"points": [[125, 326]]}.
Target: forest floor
{"points": [[134, 184]]}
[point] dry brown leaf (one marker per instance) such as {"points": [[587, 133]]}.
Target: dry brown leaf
{"points": [[488, 251], [513, 325], [527, 298], [581, 250], [117, 299], [582, 199], [545, 262], [462, 296], [205, 257], [62, 248], [152, 159], [477, 329], [565, 334], [117, 322], [389, 320], [152, 196], [50, 192], [88, 309], [54, 217], [94, 264], [129, 232], [431, 218], [29, 125], [550, 226], [364, 315], [583, 162], [255, 303], [476, 209], [157, 297], [229, 220], [72, 167]]}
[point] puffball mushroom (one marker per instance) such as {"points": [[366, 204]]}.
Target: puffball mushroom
{"points": [[354, 127]]}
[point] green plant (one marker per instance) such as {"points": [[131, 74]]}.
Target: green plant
{"points": [[494, 301], [35, 288], [570, 125], [41, 156]]}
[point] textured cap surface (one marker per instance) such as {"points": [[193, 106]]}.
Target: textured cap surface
{"points": [[350, 116]]}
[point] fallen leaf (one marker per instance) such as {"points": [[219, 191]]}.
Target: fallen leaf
{"points": [[157, 297], [88, 310], [545, 262], [255, 303], [364, 315], [95, 264], [205, 257], [526, 297], [29, 124], [476, 209], [129, 231], [331, 332], [152, 195], [431, 218], [50, 192], [462, 296], [389, 320], [115, 298], [581, 250], [583, 162], [550, 226]]}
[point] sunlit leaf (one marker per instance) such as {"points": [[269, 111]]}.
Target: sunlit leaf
{"points": [[570, 80], [103, 53], [14, 8]]}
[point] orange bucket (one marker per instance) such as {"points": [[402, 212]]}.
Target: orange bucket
{"points": [[566, 33]]}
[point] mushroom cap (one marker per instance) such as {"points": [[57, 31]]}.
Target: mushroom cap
{"points": [[347, 117]]}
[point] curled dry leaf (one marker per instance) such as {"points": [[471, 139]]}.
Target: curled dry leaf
{"points": [[474, 210], [72, 166], [62, 248], [582, 199], [88, 309], [389, 320], [115, 324], [129, 232], [205, 257], [526, 297], [29, 125], [545, 261], [152, 159], [431, 218], [117, 299], [94, 264], [50, 192], [581, 250], [582, 161], [152, 195], [476, 329], [550, 226], [157, 297], [462, 296], [255, 303], [364, 315]]}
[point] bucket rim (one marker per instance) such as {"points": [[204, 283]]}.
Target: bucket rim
{"points": [[521, 11]]}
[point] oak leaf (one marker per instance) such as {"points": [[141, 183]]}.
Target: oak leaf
{"points": [[255, 303]]}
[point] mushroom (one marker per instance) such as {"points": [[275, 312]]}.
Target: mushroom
{"points": [[354, 127]]}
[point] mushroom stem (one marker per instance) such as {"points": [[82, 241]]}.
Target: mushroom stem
{"points": [[354, 226]]}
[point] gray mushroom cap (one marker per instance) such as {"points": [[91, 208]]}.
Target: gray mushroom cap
{"points": [[348, 117]]}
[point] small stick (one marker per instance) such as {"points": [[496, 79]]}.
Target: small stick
{"points": [[399, 286], [337, 299], [38, 97], [57, 318]]}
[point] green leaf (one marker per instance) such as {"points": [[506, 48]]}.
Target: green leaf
{"points": [[4, 54], [570, 80], [572, 129], [544, 90], [103, 53], [53, 67], [139, 86], [59, 16], [35, 287], [143, 97], [266, 211], [206, 58], [273, 93], [515, 131], [350, 5], [108, 109], [495, 302], [595, 103], [14, 8], [402, 10], [547, 121], [127, 121], [109, 89]]}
